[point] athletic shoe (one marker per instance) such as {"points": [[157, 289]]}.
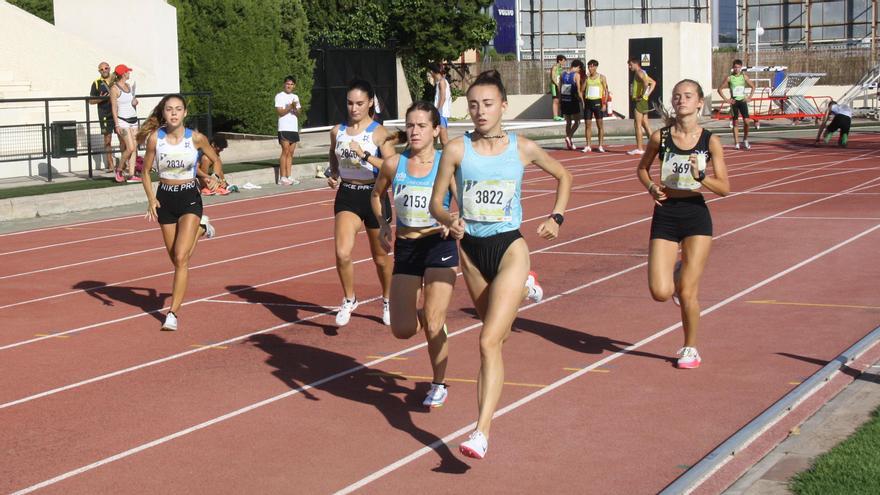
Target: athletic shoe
{"points": [[207, 192], [746, 145], [676, 276], [475, 446], [689, 358], [119, 176], [558, 118], [586, 149], [221, 191], [284, 181], [827, 137], [635, 152], [536, 292], [568, 144], [170, 324], [736, 146], [436, 396], [344, 313], [844, 138], [386, 312], [134, 178], [601, 150], [205, 223], [292, 181]]}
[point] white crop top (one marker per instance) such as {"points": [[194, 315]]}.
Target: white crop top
{"points": [[124, 107], [177, 161], [350, 166]]}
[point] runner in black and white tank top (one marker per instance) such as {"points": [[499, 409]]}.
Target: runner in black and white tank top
{"points": [[357, 148]]}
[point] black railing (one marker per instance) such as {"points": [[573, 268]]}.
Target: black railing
{"points": [[36, 141]]}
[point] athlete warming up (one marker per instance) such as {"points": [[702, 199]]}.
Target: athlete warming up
{"points": [[681, 217], [424, 256], [177, 203], [488, 168], [357, 148]]}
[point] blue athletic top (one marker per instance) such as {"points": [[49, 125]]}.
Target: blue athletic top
{"points": [[489, 190], [412, 194]]}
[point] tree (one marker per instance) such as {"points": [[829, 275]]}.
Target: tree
{"points": [[44, 9], [294, 30]]}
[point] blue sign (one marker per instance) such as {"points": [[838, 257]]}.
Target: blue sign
{"points": [[505, 31]]}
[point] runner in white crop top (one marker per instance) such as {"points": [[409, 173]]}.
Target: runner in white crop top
{"points": [[177, 205], [357, 148], [122, 105]]}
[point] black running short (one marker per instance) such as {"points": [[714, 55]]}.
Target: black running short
{"points": [[356, 199], [178, 200], [107, 124], [289, 136], [486, 252], [414, 256], [839, 122], [570, 106], [739, 107], [593, 108], [678, 218]]}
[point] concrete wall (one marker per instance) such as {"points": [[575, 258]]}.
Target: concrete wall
{"points": [[687, 53]]}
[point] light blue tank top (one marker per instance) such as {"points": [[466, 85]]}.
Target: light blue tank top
{"points": [[489, 190], [413, 194]]}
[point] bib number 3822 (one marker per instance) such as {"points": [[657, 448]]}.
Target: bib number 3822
{"points": [[488, 200]]}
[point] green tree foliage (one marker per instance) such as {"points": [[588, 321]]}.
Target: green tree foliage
{"points": [[241, 52], [348, 23], [44, 9]]}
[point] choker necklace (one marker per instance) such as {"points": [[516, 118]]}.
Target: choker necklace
{"points": [[486, 136]]}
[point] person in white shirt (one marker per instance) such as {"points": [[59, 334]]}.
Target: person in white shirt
{"points": [[442, 99], [287, 107], [841, 120]]}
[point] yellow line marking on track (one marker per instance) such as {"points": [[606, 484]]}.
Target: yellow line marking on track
{"points": [[455, 380], [51, 335], [210, 346], [814, 305], [794, 383], [597, 370], [390, 359]]}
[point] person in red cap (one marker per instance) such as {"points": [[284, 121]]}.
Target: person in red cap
{"points": [[123, 104]]}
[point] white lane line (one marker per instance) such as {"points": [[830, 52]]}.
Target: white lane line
{"points": [[830, 218], [595, 254], [515, 405], [153, 229], [553, 386], [287, 305]]}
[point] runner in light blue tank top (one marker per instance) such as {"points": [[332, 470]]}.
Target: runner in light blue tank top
{"points": [[488, 169], [425, 257], [489, 190]]}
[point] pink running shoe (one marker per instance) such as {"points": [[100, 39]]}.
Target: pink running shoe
{"points": [[134, 178], [222, 191], [207, 192], [689, 358], [119, 176], [475, 446]]}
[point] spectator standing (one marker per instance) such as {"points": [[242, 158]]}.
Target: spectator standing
{"points": [[287, 107], [101, 88]]}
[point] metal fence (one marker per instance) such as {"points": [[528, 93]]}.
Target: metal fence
{"points": [[49, 137]]}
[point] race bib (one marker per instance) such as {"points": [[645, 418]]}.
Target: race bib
{"points": [[411, 204], [566, 89], [347, 157], [739, 91], [594, 92], [676, 173], [488, 200], [178, 160]]}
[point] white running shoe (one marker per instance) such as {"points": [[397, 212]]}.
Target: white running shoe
{"points": [[736, 146], [601, 150], [170, 324], [536, 292], [386, 312], [568, 144], [344, 313], [676, 276], [635, 152], [587, 149], [436, 396], [747, 146], [205, 222], [291, 181], [284, 181], [689, 358], [475, 446]]}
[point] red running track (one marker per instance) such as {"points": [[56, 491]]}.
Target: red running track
{"points": [[259, 392]]}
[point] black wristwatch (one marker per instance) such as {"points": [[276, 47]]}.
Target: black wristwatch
{"points": [[701, 176], [558, 218], [367, 156]]}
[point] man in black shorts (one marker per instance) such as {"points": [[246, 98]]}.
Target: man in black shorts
{"points": [[841, 120], [100, 87]]}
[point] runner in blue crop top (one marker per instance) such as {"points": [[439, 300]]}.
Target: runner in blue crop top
{"points": [[176, 204], [488, 166], [424, 256]]}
